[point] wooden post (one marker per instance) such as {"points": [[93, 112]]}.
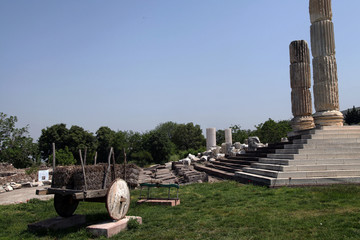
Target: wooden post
{"points": [[53, 147], [124, 165], [85, 155], [113, 158], [83, 168], [108, 169], [95, 158]]}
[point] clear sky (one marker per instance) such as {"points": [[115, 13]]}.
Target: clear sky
{"points": [[133, 64]]}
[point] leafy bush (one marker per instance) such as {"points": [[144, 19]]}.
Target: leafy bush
{"points": [[271, 131], [352, 116], [64, 157], [174, 158], [141, 158]]}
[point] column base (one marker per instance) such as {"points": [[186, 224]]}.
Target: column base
{"points": [[328, 118], [302, 123]]}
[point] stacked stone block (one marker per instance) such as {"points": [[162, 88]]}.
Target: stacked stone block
{"points": [[326, 93], [300, 81]]}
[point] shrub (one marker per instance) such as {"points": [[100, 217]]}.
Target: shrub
{"points": [[64, 157]]}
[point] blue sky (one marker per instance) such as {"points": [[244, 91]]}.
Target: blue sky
{"points": [[131, 65]]}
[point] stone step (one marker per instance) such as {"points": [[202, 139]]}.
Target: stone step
{"points": [[261, 172], [308, 162], [245, 157], [223, 168], [245, 177], [302, 174], [331, 130], [214, 172], [321, 145], [238, 162], [287, 168], [300, 141], [329, 150], [231, 165], [255, 154], [278, 182], [315, 156], [331, 136]]}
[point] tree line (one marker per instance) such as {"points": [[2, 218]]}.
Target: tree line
{"points": [[169, 141]]}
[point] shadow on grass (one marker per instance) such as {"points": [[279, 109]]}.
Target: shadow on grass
{"points": [[94, 218]]}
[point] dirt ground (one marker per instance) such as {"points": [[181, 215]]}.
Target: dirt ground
{"points": [[22, 196]]}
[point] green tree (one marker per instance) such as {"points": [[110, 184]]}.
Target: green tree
{"points": [[105, 138], [352, 116], [271, 131], [142, 158], [239, 135], [188, 136], [220, 137], [79, 139], [57, 134], [168, 128], [63, 157], [120, 142], [16, 146], [158, 145]]}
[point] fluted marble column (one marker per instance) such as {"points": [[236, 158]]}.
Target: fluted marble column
{"points": [[210, 138], [300, 81], [326, 92]]}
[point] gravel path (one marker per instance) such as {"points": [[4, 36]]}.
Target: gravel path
{"points": [[22, 195]]}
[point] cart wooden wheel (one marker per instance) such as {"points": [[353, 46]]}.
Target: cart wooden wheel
{"points": [[118, 199], [65, 205]]}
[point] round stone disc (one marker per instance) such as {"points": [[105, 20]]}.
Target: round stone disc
{"points": [[118, 199]]}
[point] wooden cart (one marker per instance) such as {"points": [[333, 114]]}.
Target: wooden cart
{"points": [[116, 196]]}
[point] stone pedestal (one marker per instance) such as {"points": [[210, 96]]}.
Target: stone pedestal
{"points": [[300, 81], [326, 93], [210, 138], [111, 228]]}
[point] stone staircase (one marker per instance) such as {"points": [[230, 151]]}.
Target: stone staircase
{"points": [[328, 155], [226, 167]]}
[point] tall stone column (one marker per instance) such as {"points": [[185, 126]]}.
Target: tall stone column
{"points": [[326, 93], [228, 136], [210, 138], [300, 82]]}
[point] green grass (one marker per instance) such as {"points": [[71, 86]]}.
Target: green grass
{"points": [[223, 210]]}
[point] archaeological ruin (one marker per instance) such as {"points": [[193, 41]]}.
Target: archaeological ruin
{"points": [[319, 150]]}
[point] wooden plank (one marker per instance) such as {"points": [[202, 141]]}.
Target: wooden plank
{"points": [[53, 147], [41, 192], [63, 191], [95, 158], [96, 193]]}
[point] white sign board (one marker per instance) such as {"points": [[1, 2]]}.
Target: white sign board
{"points": [[43, 175]]}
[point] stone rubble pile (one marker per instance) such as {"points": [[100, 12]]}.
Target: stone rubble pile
{"points": [[181, 172], [12, 178], [187, 174], [158, 174]]}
